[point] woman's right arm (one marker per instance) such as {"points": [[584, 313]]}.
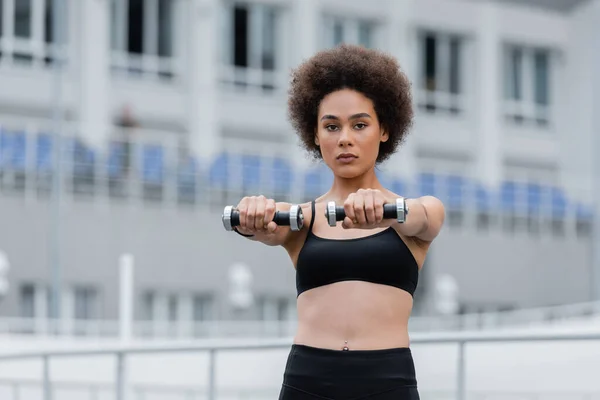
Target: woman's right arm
{"points": [[256, 220]]}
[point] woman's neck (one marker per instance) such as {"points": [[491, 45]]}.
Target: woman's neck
{"points": [[343, 187]]}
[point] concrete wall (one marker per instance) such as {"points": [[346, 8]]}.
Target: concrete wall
{"points": [[190, 252]]}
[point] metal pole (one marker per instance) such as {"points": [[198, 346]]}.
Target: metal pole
{"points": [[596, 157], [461, 373], [46, 372], [211, 374], [16, 392], [120, 378], [58, 23], [126, 266]]}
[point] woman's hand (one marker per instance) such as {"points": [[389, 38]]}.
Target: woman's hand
{"points": [[364, 210], [256, 215]]}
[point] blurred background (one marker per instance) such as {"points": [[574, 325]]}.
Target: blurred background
{"points": [[126, 126]]}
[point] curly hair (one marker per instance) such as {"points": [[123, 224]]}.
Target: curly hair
{"points": [[371, 72]]}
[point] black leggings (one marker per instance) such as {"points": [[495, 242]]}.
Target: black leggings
{"points": [[314, 373]]}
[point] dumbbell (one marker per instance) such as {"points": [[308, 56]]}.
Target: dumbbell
{"points": [[293, 218], [398, 211]]}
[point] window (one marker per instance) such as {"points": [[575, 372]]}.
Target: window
{"points": [[202, 308], [27, 38], [274, 308], [172, 308], [527, 85], [148, 300], [27, 301], [251, 52], [351, 31], [86, 303], [143, 38], [441, 61]]}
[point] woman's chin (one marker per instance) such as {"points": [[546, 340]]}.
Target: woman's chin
{"points": [[348, 172]]}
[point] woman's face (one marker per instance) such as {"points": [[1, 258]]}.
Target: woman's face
{"points": [[348, 133]]}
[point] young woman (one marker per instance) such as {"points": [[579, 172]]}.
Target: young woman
{"points": [[352, 108]]}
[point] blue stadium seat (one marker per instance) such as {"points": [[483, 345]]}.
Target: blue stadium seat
{"points": [[384, 178], [218, 172], [399, 187], [187, 170], [455, 192], [559, 203], [427, 185], [584, 212], [116, 154], [312, 183], [282, 175], [508, 196], [18, 160], [317, 180], [13, 146], [83, 159], [4, 148], [251, 171], [483, 198], [153, 164], [534, 198], [44, 152]]}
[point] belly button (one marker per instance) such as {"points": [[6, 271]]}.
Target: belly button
{"points": [[345, 348]]}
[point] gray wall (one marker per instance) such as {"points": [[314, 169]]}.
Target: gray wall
{"points": [[514, 269], [176, 251], [189, 251]]}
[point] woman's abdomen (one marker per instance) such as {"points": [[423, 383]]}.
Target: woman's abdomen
{"points": [[366, 315]]}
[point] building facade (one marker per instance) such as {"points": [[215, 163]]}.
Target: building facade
{"points": [[172, 109]]}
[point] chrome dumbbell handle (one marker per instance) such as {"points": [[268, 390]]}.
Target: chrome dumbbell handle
{"points": [[293, 218], [397, 211]]}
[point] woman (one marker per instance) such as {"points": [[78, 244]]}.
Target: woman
{"points": [[352, 108]]}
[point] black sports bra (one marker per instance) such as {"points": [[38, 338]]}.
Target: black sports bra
{"points": [[380, 258]]}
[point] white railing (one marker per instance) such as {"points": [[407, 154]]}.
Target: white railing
{"points": [[146, 66], [528, 113], [585, 314], [442, 101], [253, 80], [120, 353]]}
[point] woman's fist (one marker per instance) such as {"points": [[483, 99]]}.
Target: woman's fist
{"points": [[364, 210], [256, 215]]}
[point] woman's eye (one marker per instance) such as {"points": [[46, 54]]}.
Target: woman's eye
{"points": [[331, 128], [360, 125]]}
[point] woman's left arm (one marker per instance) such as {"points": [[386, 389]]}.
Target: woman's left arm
{"points": [[424, 220]]}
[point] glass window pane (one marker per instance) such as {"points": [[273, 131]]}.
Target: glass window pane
{"points": [[517, 78], [172, 308], [430, 61], [165, 28], [114, 21], [338, 33], [85, 303], [49, 22], [136, 26], [50, 302], [268, 38], [1, 18], [541, 77], [240, 34], [365, 34], [23, 18], [455, 65], [148, 306], [27, 301]]}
